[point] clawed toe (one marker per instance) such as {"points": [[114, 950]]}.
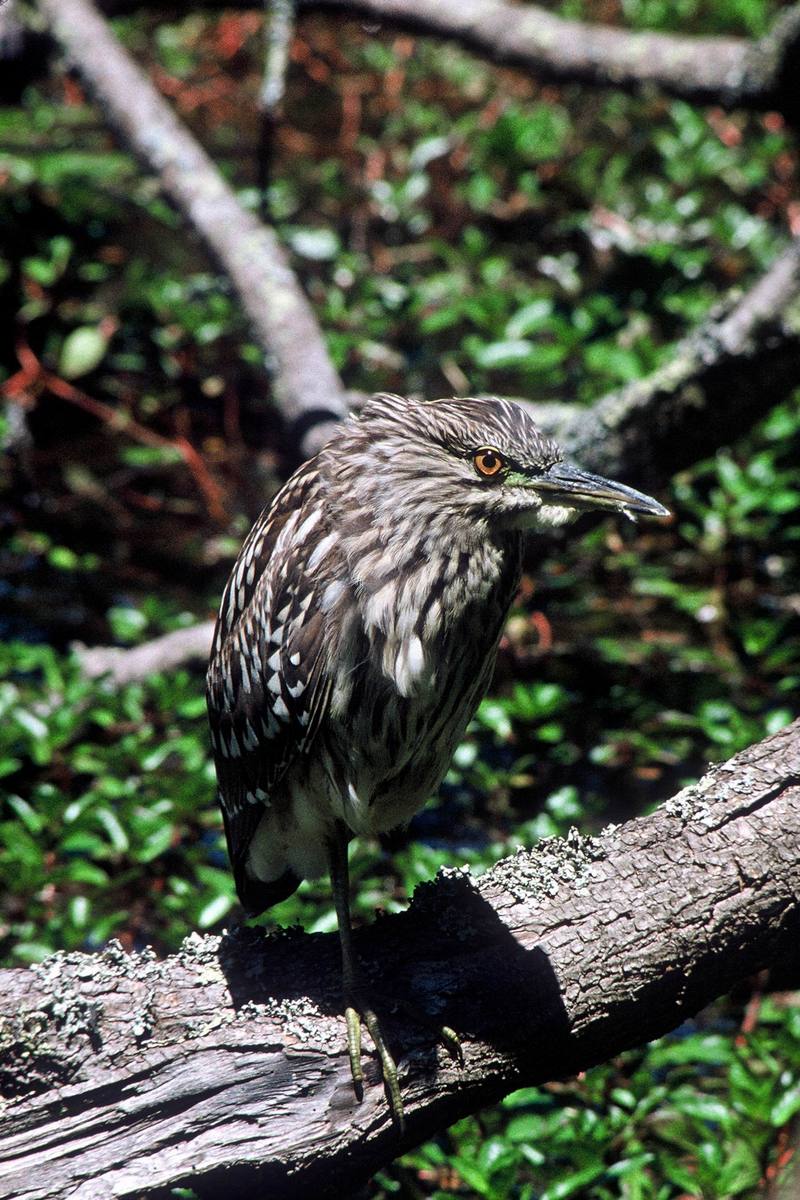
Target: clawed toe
{"points": [[356, 1012]]}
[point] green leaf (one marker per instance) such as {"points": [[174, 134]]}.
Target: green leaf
{"points": [[529, 318], [705, 1108], [785, 1108], [573, 1184], [525, 1128], [81, 871], [111, 823], [316, 244], [214, 911], [150, 456], [32, 820], [492, 714], [127, 623], [31, 952], [740, 1170], [82, 351], [711, 1048], [156, 843]]}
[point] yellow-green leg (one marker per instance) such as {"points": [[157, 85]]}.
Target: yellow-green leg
{"points": [[356, 1007]]}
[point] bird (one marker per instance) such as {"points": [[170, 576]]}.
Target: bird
{"points": [[358, 632]]}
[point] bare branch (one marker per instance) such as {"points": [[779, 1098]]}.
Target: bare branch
{"points": [[718, 381], [721, 70], [224, 1067], [729, 71], [306, 386], [163, 653]]}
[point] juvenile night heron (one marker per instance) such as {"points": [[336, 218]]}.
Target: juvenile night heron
{"points": [[358, 631]]}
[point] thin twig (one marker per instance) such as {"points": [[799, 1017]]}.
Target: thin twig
{"points": [[33, 378], [279, 33]]}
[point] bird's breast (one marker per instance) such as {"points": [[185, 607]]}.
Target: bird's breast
{"points": [[411, 682]]}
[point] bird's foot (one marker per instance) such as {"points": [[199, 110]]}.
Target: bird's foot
{"points": [[356, 1012], [443, 1033]]}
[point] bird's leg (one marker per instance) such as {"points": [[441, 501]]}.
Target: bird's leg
{"points": [[356, 1007]]}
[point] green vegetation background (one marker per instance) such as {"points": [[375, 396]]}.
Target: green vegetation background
{"points": [[458, 228]]}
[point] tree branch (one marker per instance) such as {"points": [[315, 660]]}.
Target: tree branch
{"points": [[719, 380], [224, 1067], [306, 387], [165, 653], [280, 21], [730, 71]]}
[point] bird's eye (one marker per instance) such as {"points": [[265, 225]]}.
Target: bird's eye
{"points": [[488, 462]]}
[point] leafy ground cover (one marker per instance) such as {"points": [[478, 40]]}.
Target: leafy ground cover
{"points": [[458, 228]]}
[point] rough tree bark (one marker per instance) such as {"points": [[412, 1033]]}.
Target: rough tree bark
{"points": [[223, 1068]]}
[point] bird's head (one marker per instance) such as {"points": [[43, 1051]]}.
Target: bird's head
{"points": [[479, 458]]}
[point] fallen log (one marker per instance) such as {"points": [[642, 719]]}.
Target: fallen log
{"points": [[223, 1068]]}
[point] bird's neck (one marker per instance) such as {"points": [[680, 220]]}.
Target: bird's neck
{"points": [[417, 583], [437, 555]]}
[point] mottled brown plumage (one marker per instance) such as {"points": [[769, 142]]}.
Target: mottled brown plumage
{"points": [[359, 627]]}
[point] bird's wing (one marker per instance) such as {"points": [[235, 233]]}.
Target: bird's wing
{"points": [[266, 688]]}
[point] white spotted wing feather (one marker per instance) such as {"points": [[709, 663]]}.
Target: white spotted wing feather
{"points": [[264, 684]]}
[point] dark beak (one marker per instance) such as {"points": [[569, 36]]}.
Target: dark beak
{"points": [[579, 489]]}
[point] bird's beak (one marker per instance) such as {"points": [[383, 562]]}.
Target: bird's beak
{"points": [[570, 486]]}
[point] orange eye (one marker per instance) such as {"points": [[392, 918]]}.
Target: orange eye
{"points": [[488, 462]]}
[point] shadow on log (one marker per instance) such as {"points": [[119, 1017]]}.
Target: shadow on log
{"points": [[224, 1069]]}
